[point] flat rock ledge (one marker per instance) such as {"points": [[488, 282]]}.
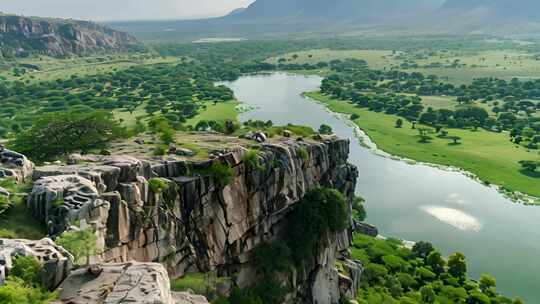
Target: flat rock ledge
{"points": [[132, 282]]}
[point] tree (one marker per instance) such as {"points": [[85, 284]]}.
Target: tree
{"points": [[435, 261], [61, 133], [422, 249], [423, 133], [529, 165], [399, 123], [455, 139], [457, 265], [325, 129], [81, 244], [428, 295], [486, 282]]}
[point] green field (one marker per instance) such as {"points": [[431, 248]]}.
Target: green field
{"points": [[377, 59], [504, 64], [488, 155], [219, 112]]}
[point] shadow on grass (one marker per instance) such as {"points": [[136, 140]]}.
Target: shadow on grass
{"points": [[533, 174], [454, 144]]}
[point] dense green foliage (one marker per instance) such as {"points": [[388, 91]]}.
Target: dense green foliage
{"points": [[395, 274], [60, 133], [81, 244], [23, 286], [514, 103]]}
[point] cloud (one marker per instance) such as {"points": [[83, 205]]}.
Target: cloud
{"points": [[121, 9]]}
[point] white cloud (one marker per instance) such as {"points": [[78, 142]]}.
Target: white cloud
{"points": [[121, 9]]}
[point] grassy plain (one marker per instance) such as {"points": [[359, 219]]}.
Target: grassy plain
{"points": [[377, 59], [488, 155], [219, 112], [504, 64], [54, 68]]}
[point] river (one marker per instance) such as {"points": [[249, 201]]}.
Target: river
{"points": [[417, 202]]}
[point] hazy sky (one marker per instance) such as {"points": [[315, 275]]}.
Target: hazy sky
{"points": [[121, 9]]}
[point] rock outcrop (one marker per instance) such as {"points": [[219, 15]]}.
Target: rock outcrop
{"points": [[14, 165], [142, 283], [184, 216], [57, 262], [58, 37]]}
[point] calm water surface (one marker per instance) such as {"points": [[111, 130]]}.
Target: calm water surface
{"points": [[417, 202]]}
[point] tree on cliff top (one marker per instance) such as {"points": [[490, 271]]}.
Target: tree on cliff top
{"points": [[60, 133]]}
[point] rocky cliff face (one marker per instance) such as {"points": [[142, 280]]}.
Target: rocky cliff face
{"points": [[57, 37], [194, 222]]}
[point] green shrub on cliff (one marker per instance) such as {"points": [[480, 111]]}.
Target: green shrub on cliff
{"points": [[81, 244], [320, 211], [251, 160], [222, 173]]}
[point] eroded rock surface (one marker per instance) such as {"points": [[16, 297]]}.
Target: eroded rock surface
{"points": [[56, 261], [133, 282], [14, 165], [196, 223]]}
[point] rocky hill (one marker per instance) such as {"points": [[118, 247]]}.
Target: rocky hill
{"points": [[181, 215], [58, 37]]}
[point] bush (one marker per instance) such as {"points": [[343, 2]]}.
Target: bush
{"points": [[325, 129], [320, 211], [303, 153], [251, 160], [27, 268], [271, 258], [15, 291], [158, 185], [81, 244], [222, 173]]}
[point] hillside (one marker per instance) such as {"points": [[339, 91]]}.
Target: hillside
{"points": [[20, 36], [365, 10], [487, 16]]}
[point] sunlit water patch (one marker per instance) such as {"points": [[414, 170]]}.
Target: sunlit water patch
{"points": [[454, 217]]}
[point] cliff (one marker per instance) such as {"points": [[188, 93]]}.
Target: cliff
{"points": [[58, 37], [182, 215]]}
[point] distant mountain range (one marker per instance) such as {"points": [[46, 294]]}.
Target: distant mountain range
{"points": [[412, 16], [349, 9], [21, 36]]}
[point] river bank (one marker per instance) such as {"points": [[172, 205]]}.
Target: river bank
{"points": [[477, 156], [413, 201], [370, 143]]}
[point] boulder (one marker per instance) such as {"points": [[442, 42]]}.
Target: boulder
{"points": [[14, 165], [132, 282], [366, 229]]}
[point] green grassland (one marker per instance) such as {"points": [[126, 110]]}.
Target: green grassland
{"points": [[504, 64], [488, 155], [377, 59], [54, 68], [219, 112]]}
